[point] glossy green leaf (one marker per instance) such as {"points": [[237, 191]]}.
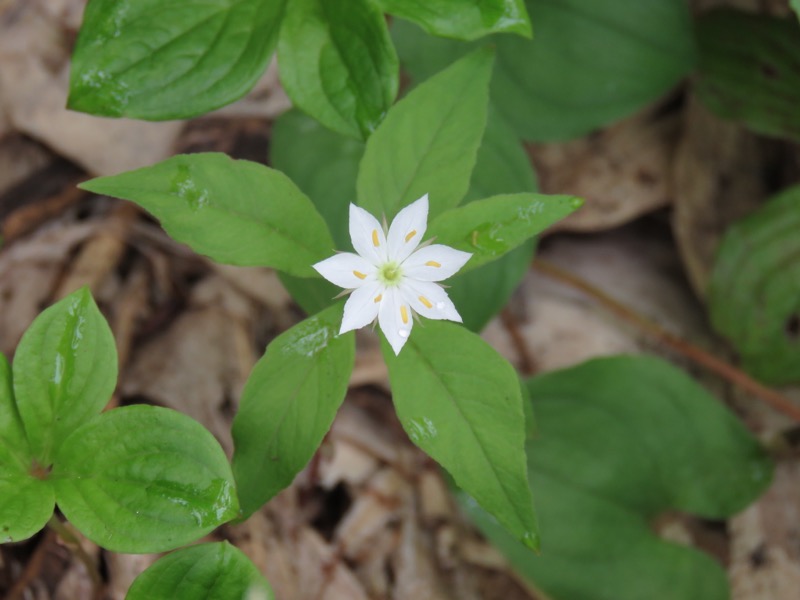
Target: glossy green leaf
{"points": [[754, 291], [618, 442], [143, 479], [338, 63], [492, 227], [65, 370], [234, 211], [216, 571], [170, 59], [428, 142], [26, 504], [589, 64], [749, 70], [463, 19], [288, 405], [460, 402]]}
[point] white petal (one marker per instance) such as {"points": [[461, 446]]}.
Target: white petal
{"points": [[429, 300], [407, 229], [395, 319], [367, 235], [361, 307], [434, 263], [346, 270]]}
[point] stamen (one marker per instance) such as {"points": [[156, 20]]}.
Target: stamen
{"points": [[426, 302], [378, 298], [359, 275], [432, 263], [375, 241], [404, 314], [411, 234]]}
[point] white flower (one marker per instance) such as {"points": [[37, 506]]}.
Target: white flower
{"points": [[392, 277]]}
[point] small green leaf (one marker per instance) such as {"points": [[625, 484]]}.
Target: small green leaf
{"points": [[235, 211], [288, 405], [15, 454], [754, 291], [65, 370], [750, 70], [170, 59], [144, 479], [26, 504], [492, 227], [216, 571], [463, 19], [618, 442], [460, 401], [338, 63], [589, 64], [428, 141]]}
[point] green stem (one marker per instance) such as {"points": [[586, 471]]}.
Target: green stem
{"points": [[70, 538]]}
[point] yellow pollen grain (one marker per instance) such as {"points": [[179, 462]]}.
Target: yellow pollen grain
{"points": [[359, 275], [432, 263], [426, 302], [411, 234], [378, 298], [404, 314], [375, 241]]}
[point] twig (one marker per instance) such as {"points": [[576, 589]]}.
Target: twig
{"points": [[32, 569], [775, 399], [526, 362], [67, 536]]}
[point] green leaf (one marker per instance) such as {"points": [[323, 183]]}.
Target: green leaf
{"points": [[795, 4], [15, 453], [493, 227], [234, 211], [591, 63], [754, 291], [288, 405], [463, 19], [65, 370], [170, 59], [216, 571], [619, 441], [460, 401], [26, 504], [428, 141], [143, 479], [749, 70], [338, 63]]}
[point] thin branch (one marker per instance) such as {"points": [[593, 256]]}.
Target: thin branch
{"points": [[703, 358]]}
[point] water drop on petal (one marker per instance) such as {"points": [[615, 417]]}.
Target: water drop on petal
{"points": [[403, 333]]}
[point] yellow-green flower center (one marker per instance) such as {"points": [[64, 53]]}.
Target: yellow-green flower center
{"points": [[390, 274]]}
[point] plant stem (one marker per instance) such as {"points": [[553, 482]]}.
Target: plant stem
{"points": [[67, 536], [701, 357]]}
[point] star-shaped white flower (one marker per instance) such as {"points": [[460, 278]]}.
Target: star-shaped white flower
{"points": [[392, 277]]}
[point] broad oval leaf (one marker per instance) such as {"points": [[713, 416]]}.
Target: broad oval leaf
{"points": [[26, 504], [288, 405], [65, 370], [170, 59], [144, 479], [234, 211], [590, 63], [338, 63], [428, 142], [460, 402], [463, 19], [753, 294], [493, 227], [15, 454], [749, 70], [215, 571], [619, 441]]}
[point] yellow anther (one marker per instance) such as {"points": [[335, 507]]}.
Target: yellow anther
{"points": [[404, 314], [426, 302], [378, 298], [411, 234], [375, 241], [359, 275], [432, 263]]}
